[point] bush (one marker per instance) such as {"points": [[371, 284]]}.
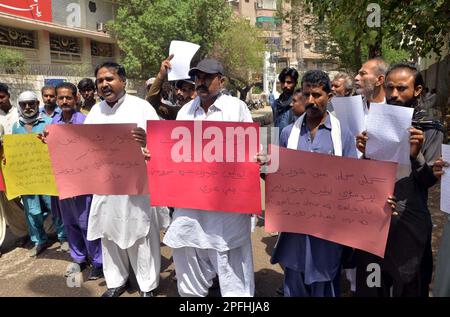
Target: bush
{"points": [[11, 61]]}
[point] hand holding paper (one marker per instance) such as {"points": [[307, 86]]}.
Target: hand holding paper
{"points": [[388, 133], [182, 52], [350, 112]]}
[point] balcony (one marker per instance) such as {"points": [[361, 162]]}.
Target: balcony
{"points": [[268, 23], [266, 5]]}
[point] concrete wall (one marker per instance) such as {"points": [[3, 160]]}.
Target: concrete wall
{"points": [[437, 75], [66, 10]]}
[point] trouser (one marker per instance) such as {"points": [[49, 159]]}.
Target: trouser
{"points": [[37, 208], [295, 286], [145, 259], [13, 215], [373, 280], [196, 269], [75, 214], [441, 287]]}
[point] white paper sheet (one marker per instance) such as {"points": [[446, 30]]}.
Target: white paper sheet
{"points": [[387, 128], [445, 180], [183, 53], [350, 112]]}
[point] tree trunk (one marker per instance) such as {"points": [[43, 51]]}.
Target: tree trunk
{"points": [[375, 50], [244, 92], [357, 56]]}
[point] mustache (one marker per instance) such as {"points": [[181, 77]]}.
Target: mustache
{"points": [[310, 105], [201, 87]]}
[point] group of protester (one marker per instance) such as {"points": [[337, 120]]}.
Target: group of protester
{"points": [[312, 265], [111, 232]]}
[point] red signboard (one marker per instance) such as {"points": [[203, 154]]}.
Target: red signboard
{"points": [[32, 9]]}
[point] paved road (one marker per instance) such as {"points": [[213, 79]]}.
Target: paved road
{"points": [[21, 275]]}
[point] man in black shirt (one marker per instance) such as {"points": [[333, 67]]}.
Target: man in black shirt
{"points": [[407, 266]]}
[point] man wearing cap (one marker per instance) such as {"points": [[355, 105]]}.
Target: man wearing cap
{"points": [[185, 92], [205, 243], [37, 207]]}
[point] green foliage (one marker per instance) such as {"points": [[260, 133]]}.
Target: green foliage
{"points": [[241, 50], [11, 61], [144, 29], [406, 31]]}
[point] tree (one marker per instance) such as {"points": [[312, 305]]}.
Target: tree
{"points": [[12, 61], [241, 51], [144, 29], [415, 29]]}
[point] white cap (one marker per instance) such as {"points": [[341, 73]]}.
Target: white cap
{"points": [[27, 96]]}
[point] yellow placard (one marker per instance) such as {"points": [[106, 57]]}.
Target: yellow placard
{"points": [[27, 168]]}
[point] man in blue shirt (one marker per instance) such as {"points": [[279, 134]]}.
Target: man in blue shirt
{"points": [[37, 207], [50, 108], [312, 265]]}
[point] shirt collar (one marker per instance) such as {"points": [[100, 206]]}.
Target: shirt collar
{"points": [[40, 119], [55, 112], [217, 104], [119, 101], [326, 124], [59, 117]]}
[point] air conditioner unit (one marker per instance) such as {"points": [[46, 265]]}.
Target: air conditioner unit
{"points": [[101, 27]]}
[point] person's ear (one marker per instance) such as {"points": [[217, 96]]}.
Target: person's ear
{"points": [[380, 81], [222, 80], [418, 91]]}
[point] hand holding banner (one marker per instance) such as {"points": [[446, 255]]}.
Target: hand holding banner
{"points": [[204, 165], [101, 159], [338, 199], [28, 169]]}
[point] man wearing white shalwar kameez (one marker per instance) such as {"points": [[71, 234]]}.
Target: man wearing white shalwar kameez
{"points": [[127, 225], [205, 243]]}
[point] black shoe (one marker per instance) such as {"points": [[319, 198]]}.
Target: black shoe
{"points": [[115, 292], [146, 294], [96, 273]]}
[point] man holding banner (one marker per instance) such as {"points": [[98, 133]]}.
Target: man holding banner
{"points": [[312, 265], [74, 211], [37, 207], [204, 243], [127, 225], [407, 266], [11, 211]]}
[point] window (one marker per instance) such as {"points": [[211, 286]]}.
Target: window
{"points": [[64, 48], [101, 49], [17, 38]]}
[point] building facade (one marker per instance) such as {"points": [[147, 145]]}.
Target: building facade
{"points": [[54, 34], [287, 42]]}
